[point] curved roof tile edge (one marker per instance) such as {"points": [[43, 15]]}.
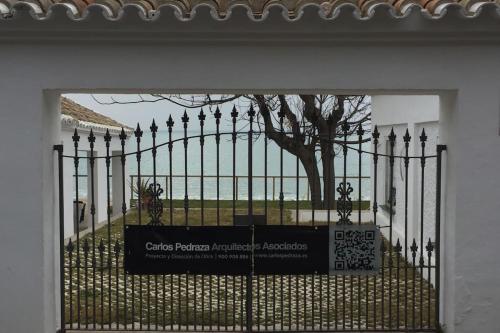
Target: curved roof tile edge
{"points": [[307, 11], [70, 123]]}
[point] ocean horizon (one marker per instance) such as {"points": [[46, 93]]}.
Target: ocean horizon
{"points": [[226, 167]]}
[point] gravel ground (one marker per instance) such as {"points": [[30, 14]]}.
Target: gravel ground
{"points": [[110, 300]]}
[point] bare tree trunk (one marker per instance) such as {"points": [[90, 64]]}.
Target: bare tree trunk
{"points": [[311, 167], [327, 160]]}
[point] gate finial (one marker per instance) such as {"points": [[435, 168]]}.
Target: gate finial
{"points": [[153, 128], [392, 137], [414, 248], [217, 115], [185, 119], [123, 136], [398, 247], [360, 130], [345, 127], [138, 132], [101, 247], [91, 138], [375, 135], [429, 247], [202, 117], [70, 247], [234, 114], [423, 136], [170, 122], [407, 138], [76, 137], [251, 112], [107, 137]]}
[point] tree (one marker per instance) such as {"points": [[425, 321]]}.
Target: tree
{"points": [[306, 126]]}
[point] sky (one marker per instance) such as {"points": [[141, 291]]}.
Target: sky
{"points": [[144, 113], [131, 114]]}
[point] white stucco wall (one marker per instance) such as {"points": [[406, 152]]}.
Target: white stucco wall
{"points": [[376, 57], [413, 113], [429, 191], [410, 109]]}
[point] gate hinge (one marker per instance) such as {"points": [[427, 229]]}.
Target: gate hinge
{"points": [[58, 148]]}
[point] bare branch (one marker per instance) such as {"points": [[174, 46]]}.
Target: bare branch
{"points": [[281, 139], [177, 100], [312, 113], [291, 117]]}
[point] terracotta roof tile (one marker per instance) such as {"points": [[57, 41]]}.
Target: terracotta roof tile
{"points": [[257, 7], [81, 113], [79, 4]]}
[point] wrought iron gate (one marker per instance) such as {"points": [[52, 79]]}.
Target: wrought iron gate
{"points": [[403, 296]]}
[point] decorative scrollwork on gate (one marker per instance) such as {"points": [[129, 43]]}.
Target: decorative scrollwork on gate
{"points": [[344, 203], [155, 204]]}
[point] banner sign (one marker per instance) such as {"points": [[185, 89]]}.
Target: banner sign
{"points": [[239, 250], [195, 250]]}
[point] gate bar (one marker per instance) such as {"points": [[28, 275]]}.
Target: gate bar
{"points": [[249, 324], [59, 149], [440, 149]]}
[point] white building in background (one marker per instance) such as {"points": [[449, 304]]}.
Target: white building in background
{"points": [[400, 113], [77, 116]]}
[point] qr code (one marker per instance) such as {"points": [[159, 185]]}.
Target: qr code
{"points": [[354, 249]]}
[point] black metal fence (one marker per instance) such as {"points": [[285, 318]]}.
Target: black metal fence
{"points": [[97, 294], [241, 191]]}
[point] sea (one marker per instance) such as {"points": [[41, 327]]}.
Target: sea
{"points": [[191, 161]]}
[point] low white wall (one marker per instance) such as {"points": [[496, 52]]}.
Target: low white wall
{"points": [[306, 216]]}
